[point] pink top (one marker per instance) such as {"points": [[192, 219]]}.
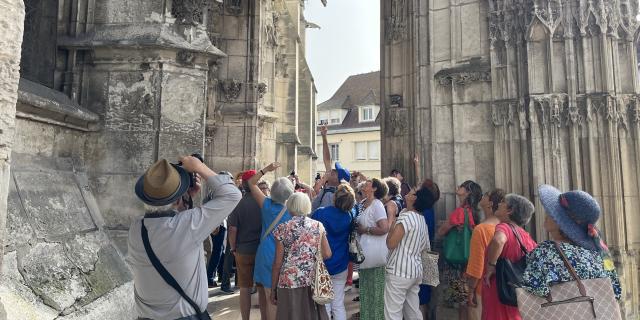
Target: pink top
{"points": [[492, 309], [457, 216]]}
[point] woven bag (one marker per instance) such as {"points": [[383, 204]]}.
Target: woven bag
{"points": [[430, 274], [322, 286]]}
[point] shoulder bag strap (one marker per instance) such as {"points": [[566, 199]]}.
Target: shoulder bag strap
{"points": [[572, 271], [515, 233], [275, 222], [168, 278]]}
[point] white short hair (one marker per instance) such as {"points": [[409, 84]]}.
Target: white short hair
{"points": [[152, 209], [281, 189], [299, 204]]}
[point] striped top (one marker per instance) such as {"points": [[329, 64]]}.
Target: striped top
{"points": [[406, 260]]}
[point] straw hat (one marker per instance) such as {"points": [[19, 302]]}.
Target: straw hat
{"points": [[162, 184]]}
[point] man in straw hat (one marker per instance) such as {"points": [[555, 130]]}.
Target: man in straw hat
{"points": [[165, 246]]}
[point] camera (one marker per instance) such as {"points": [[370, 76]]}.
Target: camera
{"points": [[192, 175]]}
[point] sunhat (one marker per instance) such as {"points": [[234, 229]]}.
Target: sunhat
{"points": [[162, 184], [575, 212]]}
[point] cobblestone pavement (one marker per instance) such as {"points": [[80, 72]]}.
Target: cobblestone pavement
{"points": [[227, 307]]}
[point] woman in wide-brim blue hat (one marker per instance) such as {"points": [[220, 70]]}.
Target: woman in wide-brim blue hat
{"points": [[571, 221]]}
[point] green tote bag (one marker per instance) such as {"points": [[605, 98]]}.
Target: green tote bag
{"points": [[457, 243]]}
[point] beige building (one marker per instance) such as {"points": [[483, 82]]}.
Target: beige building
{"points": [[352, 115]]}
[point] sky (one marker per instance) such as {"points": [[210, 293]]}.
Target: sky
{"points": [[348, 42]]}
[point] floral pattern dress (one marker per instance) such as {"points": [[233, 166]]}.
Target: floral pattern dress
{"points": [[545, 267], [300, 237]]}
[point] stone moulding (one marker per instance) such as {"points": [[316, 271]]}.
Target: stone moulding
{"points": [[462, 75], [40, 103], [141, 36], [230, 89]]}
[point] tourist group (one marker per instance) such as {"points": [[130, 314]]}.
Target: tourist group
{"points": [[298, 245]]}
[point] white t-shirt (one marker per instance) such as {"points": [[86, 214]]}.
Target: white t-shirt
{"points": [[372, 214]]}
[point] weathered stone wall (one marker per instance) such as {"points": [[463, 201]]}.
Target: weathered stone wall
{"points": [[12, 15], [263, 87]]}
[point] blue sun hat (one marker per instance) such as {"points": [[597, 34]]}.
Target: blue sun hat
{"points": [[575, 212]]}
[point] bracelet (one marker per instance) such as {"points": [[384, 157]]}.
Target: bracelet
{"points": [[261, 172]]}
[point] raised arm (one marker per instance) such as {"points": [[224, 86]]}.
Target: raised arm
{"points": [[416, 166], [256, 193], [326, 155]]}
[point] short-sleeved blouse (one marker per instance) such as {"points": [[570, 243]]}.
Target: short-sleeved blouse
{"points": [[545, 267], [300, 237]]}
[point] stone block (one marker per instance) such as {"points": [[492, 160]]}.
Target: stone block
{"points": [[117, 304], [54, 277], [441, 39], [443, 124], [120, 152], [183, 103], [97, 91], [116, 198], [34, 138], [54, 202], [19, 229], [464, 162], [484, 165], [472, 123], [470, 20], [119, 239], [236, 47], [236, 67], [124, 11], [173, 145], [20, 301], [132, 101], [110, 272]]}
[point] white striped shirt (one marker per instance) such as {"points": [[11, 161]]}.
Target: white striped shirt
{"points": [[406, 259]]}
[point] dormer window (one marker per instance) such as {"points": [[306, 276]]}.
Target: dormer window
{"points": [[367, 114]]}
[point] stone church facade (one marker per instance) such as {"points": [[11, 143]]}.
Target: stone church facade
{"points": [[516, 93], [93, 92]]}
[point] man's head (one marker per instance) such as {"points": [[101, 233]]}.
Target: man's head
{"points": [[162, 185], [397, 174]]}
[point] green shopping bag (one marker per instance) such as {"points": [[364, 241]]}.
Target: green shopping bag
{"points": [[457, 242]]}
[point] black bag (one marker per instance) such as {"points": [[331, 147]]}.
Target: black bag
{"points": [[509, 275], [168, 278]]}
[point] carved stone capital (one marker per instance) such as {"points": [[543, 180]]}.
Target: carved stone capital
{"points": [[233, 7], [397, 122], [261, 89], [188, 12], [230, 89], [463, 78]]}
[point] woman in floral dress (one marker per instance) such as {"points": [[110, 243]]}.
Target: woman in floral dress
{"points": [[297, 244], [570, 221]]}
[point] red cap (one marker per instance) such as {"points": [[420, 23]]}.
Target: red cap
{"points": [[248, 174]]}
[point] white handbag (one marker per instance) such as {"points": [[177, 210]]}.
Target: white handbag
{"points": [[375, 251], [430, 273]]}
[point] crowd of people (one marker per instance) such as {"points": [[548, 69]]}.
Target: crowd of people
{"points": [[277, 233]]}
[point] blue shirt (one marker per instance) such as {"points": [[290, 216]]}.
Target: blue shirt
{"points": [[338, 225], [267, 248], [430, 220]]}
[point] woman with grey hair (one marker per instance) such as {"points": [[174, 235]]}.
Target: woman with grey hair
{"points": [[514, 212], [297, 243], [273, 213]]}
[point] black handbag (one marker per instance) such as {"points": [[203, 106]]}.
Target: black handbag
{"points": [[356, 254], [509, 275]]}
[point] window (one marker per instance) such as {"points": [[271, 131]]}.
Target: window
{"points": [[368, 114], [323, 116], [361, 151], [335, 117], [374, 150], [335, 152]]}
